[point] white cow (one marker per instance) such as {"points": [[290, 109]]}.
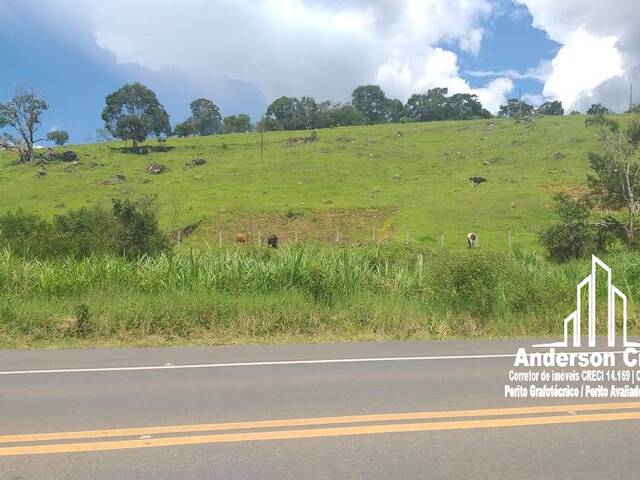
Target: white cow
{"points": [[472, 239]]}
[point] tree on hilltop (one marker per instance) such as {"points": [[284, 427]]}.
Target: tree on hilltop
{"points": [[133, 113], [551, 108], [24, 114], [59, 137], [371, 101]]}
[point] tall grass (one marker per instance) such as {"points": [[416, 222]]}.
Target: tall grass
{"points": [[225, 295]]}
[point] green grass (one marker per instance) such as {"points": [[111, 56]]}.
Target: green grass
{"points": [[397, 178], [415, 180], [297, 294]]}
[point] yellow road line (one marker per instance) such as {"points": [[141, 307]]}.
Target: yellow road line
{"points": [[297, 422], [316, 433]]}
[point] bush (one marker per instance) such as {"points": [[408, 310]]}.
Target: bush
{"points": [[574, 236], [128, 229], [26, 234], [466, 283]]}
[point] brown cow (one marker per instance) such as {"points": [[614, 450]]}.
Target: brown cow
{"points": [[241, 238]]}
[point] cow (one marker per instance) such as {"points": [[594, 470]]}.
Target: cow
{"points": [[272, 241], [472, 240], [241, 238], [475, 181]]}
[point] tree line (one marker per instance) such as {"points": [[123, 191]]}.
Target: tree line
{"points": [[134, 113]]}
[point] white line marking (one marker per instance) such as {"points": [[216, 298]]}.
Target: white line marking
{"points": [[257, 364], [267, 363]]}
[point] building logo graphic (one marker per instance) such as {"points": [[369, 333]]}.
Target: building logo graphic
{"points": [[573, 321]]}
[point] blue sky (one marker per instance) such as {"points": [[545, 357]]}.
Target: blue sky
{"points": [[242, 54]]}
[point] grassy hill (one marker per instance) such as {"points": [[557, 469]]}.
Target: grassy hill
{"points": [[395, 178]]}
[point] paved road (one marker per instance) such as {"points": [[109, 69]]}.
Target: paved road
{"points": [[388, 410]]}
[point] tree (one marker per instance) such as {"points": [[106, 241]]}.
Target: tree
{"points": [[574, 236], [59, 137], [515, 108], [597, 109], [433, 105], [237, 123], [345, 115], [306, 114], [24, 114], [205, 117], [394, 110], [184, 129], [371, 101], [133, 113], [615, 182], [551, 108], [283, 110], [465, 106]]}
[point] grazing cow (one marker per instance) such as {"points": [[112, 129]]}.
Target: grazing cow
{"points": [[475, 181], [472, 239], [272, 241], [241, 238]]}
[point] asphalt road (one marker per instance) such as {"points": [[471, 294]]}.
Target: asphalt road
{"points": [[389, 410]]}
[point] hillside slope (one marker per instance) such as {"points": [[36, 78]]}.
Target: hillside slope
{"points": [[399, 178]]}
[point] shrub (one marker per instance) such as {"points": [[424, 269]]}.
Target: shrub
{"points": [[26, 234], [128, 229], [83, 318], [137, 229], [574, 236]]}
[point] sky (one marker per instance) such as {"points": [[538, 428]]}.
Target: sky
{"points": [[243, 54]]}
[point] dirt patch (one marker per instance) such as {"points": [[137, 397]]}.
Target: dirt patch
{"points": [[572, 191], [346, 226]]}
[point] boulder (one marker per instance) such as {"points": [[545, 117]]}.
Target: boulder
{"points": [[196, 162], [70, 156], [156, 168]]}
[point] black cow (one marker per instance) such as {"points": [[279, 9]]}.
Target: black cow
{"points": [[272, 241], [475, 181]]}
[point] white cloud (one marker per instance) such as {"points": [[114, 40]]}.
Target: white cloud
{"points": [[581, 65], [599, 56], [438, 68], [322, 48]]}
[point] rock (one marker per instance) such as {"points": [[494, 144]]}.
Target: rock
{"points": [[557, 156], [397, 177], [50, 155], [196, 162], [121, 177], [156, 168], [487, 162], [70, 156], [42, 171]]}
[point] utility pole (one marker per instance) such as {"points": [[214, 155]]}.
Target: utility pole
{"points": [[630, 97], [261, 123], [520, 101]]}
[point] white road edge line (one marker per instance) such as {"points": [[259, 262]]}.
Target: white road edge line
{"points": [[262, 364], [256, 364]]}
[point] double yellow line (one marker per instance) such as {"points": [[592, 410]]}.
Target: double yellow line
{"points": [[68, 442]]}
